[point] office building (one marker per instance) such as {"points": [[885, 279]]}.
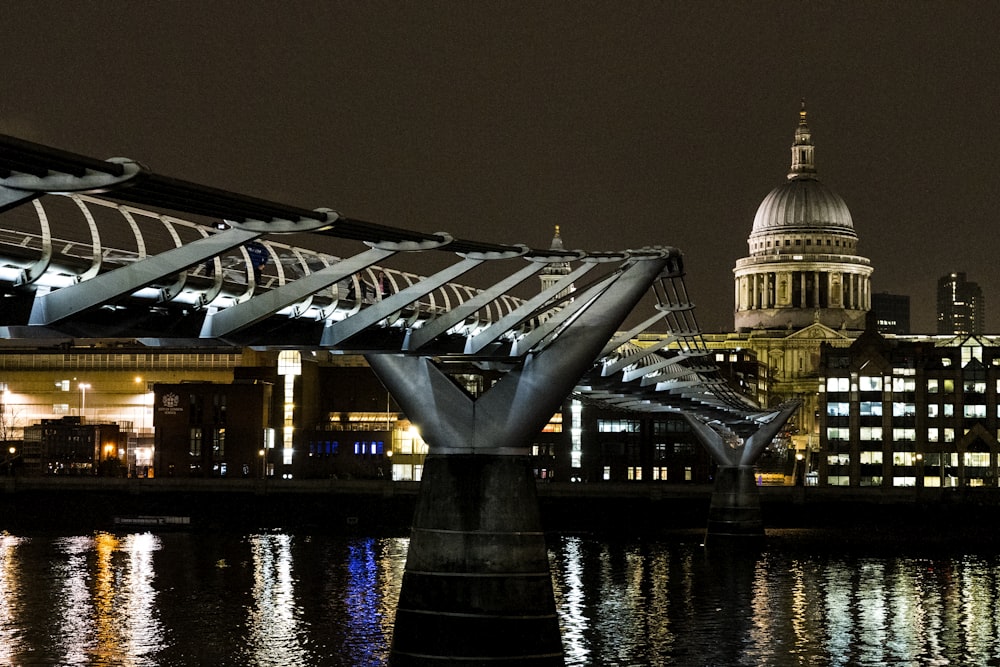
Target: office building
{"points": [[892, 313], [960, 306]]}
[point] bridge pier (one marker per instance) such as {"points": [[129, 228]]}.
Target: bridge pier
{"points": [[734, 512], [734, 515], [477, 587]]}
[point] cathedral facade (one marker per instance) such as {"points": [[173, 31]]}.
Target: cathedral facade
{"points": [[802, 285]]}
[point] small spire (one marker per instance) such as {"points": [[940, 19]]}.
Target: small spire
{"points": [[803, 158], [557, 243]]}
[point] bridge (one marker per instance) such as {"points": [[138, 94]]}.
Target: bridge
{"points": [[93, 248]]}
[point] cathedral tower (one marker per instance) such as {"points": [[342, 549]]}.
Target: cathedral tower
{"points": [[802, 267]]}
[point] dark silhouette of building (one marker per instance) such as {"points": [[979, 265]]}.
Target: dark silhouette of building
{"points": [[960, 306], [71, 446], [892, 313]]}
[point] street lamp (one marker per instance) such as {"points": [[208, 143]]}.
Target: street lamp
{"points": [[262, 464]]}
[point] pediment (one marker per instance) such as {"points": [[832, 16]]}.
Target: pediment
{"points": [[817, 331]]}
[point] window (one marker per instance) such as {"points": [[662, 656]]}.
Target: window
{"points": [[904, 481], [901, 384], [660, 473], [837, 384], [932, 386], [932, 435], [838, 480], [635, 473], [932, 482], [976, 459], [932, 410], [607, 473], [870, 433], [904, 458], [838, 409], [871, 458], [194, 442], [974, 411], [974, 387], [949, 436], [949, 386], [833, 433], [838, 459], [949, 410], [871, 408], [904, 409], [870, 383], [904, 434], [618, 425], [219, 443], [687, 473]]}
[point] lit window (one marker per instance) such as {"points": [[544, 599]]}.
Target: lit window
{"points": [[837, 384], [871, 458], [838, 409], [870, 383], [607, 473], [974, 411]]}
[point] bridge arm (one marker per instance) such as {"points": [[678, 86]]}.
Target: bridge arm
{"points": [[337, 332], [417, 338], [106, 287], [227, 320], [475, 344]]}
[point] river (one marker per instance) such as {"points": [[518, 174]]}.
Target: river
{"points": [[275, 598]]}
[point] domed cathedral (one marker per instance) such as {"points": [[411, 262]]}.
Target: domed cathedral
{"points": [[803, 265], [803, 285]]}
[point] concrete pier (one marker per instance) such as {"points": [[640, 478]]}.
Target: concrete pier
{"points": [[734, 512], [477, 588]]}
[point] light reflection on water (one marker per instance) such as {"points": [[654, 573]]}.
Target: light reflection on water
{"points": [[177, 599]]}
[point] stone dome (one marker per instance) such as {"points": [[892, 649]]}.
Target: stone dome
{"points": [[802, 204]]}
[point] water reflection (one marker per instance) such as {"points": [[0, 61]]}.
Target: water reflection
{"points": [[277, 599], [10, 599], [275, 619]]}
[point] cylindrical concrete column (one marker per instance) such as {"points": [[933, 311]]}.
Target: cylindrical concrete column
{"points": [[476, 588], [734, 513]]}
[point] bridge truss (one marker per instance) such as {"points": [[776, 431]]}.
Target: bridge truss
{"points": [[94, 248]]}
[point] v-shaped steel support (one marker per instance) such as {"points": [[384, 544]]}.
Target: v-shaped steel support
{"points": [[515, 408]]}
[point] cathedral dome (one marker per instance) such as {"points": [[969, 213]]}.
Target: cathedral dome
{"points": [[802, 204]]}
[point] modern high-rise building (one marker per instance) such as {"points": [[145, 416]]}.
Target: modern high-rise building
{"points": [[960, 306], [892, 313]]}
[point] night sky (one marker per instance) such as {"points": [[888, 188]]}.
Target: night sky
{"points": [[627, 123]]}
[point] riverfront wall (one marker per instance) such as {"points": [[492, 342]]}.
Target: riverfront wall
{"points": [[376, 506]]}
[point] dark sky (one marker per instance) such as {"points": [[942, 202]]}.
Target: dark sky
{"points": [[627, 123]]}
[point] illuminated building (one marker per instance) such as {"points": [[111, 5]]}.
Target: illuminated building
{"points": [[918, 411], [960, 305]]}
